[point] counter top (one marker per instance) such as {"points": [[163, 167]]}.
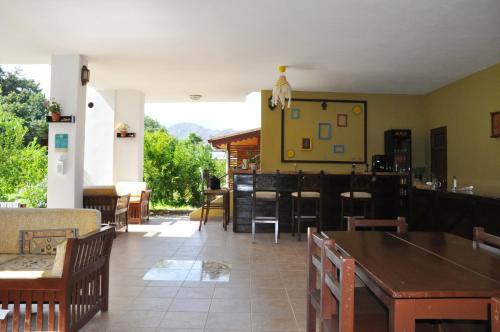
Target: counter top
{"points": [[474, 193], [247, 171]]}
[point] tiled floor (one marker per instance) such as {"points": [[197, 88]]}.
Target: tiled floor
{"points": [[159, 280]]}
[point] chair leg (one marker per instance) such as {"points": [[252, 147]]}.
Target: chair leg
{"points": [[341, 214], [253, 230], [276, 231], [201, 217], [208, 208], [299, 221], [293, 216], [495, 315]]}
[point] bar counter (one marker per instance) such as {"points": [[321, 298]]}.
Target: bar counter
{"points": [[385, 191], [456, 212]]}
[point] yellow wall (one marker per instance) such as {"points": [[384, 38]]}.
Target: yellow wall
{"points": [[464, 107], [384, 112]]}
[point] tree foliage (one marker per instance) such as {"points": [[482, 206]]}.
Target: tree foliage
{"points": [[23, 168], [172, 167], [151, 124]]}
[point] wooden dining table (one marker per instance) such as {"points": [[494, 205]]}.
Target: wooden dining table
{"points": [[422, 275]]}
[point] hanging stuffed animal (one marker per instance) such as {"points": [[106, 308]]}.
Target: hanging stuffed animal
{"points": [[282, 90]]}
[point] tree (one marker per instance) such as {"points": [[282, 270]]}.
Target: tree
{"points": [[23, 168], [24, 98], [151, 124]]}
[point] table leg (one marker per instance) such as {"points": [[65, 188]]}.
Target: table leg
{"points": [[402, 316], [495, 315]]}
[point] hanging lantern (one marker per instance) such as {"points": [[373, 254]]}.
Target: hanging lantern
{"points": [[282, 90]]}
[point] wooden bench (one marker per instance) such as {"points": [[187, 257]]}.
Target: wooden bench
{"points": [[113, 207], [64, 303]]}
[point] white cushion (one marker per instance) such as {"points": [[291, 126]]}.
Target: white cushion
{"points": [[307, 194], [265, 195], [57, 268], [356, 194]]}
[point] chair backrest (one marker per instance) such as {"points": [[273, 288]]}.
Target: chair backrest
{"points": [[314, 265], [495, 314], [205, 179], [486, 241], [399, 224], [338, 287], [309, 181], [266, 182]]}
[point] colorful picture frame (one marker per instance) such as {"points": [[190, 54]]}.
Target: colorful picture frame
{"points": [[495, 124], [338, 148], [306, 144], [324, 131], [341, 120], [61, 143], [295, 114]]}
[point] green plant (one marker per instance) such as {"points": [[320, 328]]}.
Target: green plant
{"points": [[52, 106]]}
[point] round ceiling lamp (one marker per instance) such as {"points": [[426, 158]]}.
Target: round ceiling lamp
{"points": [[195, 97], [282, 90]]}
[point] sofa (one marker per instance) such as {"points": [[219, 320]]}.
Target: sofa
{"points": [[140, 195], [54, 268], [113, 206]]}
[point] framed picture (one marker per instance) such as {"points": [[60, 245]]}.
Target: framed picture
{"points": [[61, 143], [324, 131], [341, 120], [295, 115], [338, 148], [306, 144], [495, 124]]}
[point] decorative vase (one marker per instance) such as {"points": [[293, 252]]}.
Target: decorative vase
{"points": [[123, 133], [55, 116], [253, 166]]}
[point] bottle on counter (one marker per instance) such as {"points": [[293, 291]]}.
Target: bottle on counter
{"points": [[454, 183]]}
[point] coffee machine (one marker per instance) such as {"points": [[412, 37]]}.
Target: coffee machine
{"points": [[381, 163]]}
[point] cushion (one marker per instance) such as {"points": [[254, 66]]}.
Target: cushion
{"points": [[307, 194], [130, 187], [27, 267], [44, 242], [100, 191], [356, 194], [58, 266], [265, 195]]}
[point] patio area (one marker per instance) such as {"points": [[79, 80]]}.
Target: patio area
{"points": [[167, 276]]}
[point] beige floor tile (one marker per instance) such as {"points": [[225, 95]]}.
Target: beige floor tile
{"points": [[232, 293], [152, 303], [268, 304], [165, 292], [230, 305], [225, 320], [190, 305], [138, 319], [195, 293], [187, 320], [273, 321]]}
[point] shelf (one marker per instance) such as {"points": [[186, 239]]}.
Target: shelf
{"points": [[63, 119], [119, 135]]}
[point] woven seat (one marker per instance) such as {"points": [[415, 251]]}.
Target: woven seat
{"points": [[266, 190], [307, 194], [356, 194], [221, 191], [271, 195]]}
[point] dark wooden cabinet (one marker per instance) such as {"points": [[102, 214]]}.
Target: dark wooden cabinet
{"points": [[385, 190]]}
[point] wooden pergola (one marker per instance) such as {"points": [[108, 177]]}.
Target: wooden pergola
{"points": [[240, 145]]}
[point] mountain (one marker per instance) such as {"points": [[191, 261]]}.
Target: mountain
{"points": [[182, 130]]}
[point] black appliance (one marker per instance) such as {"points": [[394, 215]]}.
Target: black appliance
{"points": [[381, 163]]}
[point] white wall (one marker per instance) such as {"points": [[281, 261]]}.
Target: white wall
{"points": [[99, 141], [65, 190], [129, 152]]}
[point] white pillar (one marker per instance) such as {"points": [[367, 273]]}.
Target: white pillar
{"points": [[99, 141], [65, 188], [129, 152]]}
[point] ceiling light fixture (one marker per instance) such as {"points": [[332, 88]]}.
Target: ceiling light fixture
{"points": [[195, 97], [282, 90]]}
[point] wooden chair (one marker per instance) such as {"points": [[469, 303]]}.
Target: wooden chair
{"points": [[399, 224], [266, 189], [210, 203], [495, 314], [308, 190], [138, 210], [344, 308], [359, 194], [314, 267], [483, 240], [113, 207]]}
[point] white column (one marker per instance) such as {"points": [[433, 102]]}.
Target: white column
{"points": [[65, 188], [129, 152], [99, 137]]}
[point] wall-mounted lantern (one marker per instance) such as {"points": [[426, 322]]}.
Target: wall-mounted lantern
{"points": [[85, 76]]}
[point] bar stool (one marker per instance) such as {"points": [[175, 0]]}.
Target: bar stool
{"points": [[266, 189], [359, 193], [308, 190], [209, 196]]}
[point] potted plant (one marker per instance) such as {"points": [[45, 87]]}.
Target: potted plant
{"points": [[54, 108], [253, 161], [122, 129]]}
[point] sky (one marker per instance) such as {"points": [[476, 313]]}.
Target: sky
{"points": [[213, 115]]}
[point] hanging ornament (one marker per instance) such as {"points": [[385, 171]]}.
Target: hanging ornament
{"points": [[282, 90]]}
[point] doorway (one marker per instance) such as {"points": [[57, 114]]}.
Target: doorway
{"points": [[439, 162]]}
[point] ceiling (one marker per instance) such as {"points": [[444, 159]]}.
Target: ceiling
{"points": [[225, 49]]}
